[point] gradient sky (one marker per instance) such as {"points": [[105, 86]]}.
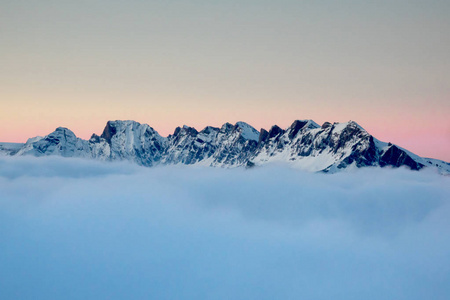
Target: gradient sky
{"points": [[78, 64]]}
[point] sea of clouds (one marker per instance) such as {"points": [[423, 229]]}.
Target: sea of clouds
{"points": [[79, 229]]}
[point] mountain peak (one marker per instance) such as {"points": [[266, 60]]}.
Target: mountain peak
{"points": [[227, 127], [247, 131], [325, 125], [63, 129], [185, 130], [109, 131], [339, 127], [298, 125], [330, 148], [61, 133], [275, 131]]}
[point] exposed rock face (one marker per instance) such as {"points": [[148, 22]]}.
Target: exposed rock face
{"points": [[396, 157], [8, 149], [61, 142], [129, 140], [228, 145], [109, 131], [326, 125], [304, 144], [331, 147], [120, 140]]}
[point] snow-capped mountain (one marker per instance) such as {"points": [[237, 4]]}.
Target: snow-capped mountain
{"points": [[304, 145], [120, 140]]}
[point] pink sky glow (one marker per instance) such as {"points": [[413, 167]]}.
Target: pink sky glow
{"points": [[428, 139], [383, 64]]}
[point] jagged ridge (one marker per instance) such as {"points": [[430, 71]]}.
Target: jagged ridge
{"points": [[305, 145]]}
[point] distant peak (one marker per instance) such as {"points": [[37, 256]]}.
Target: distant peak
{"points": [[209, 129], [185, 130], [274, 131], [227, 126], [63, 129], [353, 123], [335, 146], [123, 122], [338, 127], [298, 125], [243, 124], [61, 133], [306, 122], [247, 131], [121, 125], [109, 131]]}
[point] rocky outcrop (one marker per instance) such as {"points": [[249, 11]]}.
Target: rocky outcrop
{"points": [[396, 157]]}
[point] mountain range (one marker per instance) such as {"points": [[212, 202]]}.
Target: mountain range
{"points": [[304, 145]]}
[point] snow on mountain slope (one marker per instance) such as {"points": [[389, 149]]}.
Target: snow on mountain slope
{"points": [[304, 145], [129, 140], [229, 145], [314, 148], [61, 142], [10, 148], [247, 131]]}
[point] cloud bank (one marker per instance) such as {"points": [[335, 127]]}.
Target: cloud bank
{"points": [[78, 229]]}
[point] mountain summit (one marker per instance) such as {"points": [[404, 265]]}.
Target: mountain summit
{"points": [[304, 145]]}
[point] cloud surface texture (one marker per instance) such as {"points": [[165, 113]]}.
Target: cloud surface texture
{"points": [[80, 229]]}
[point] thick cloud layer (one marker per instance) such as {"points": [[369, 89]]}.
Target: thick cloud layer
{"points": [[78, 229]]}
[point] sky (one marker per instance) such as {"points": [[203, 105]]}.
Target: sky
{"points": [[78, 64], [94, 230]]}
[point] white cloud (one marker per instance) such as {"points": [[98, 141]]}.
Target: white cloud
{"points": [[78, 229]]}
